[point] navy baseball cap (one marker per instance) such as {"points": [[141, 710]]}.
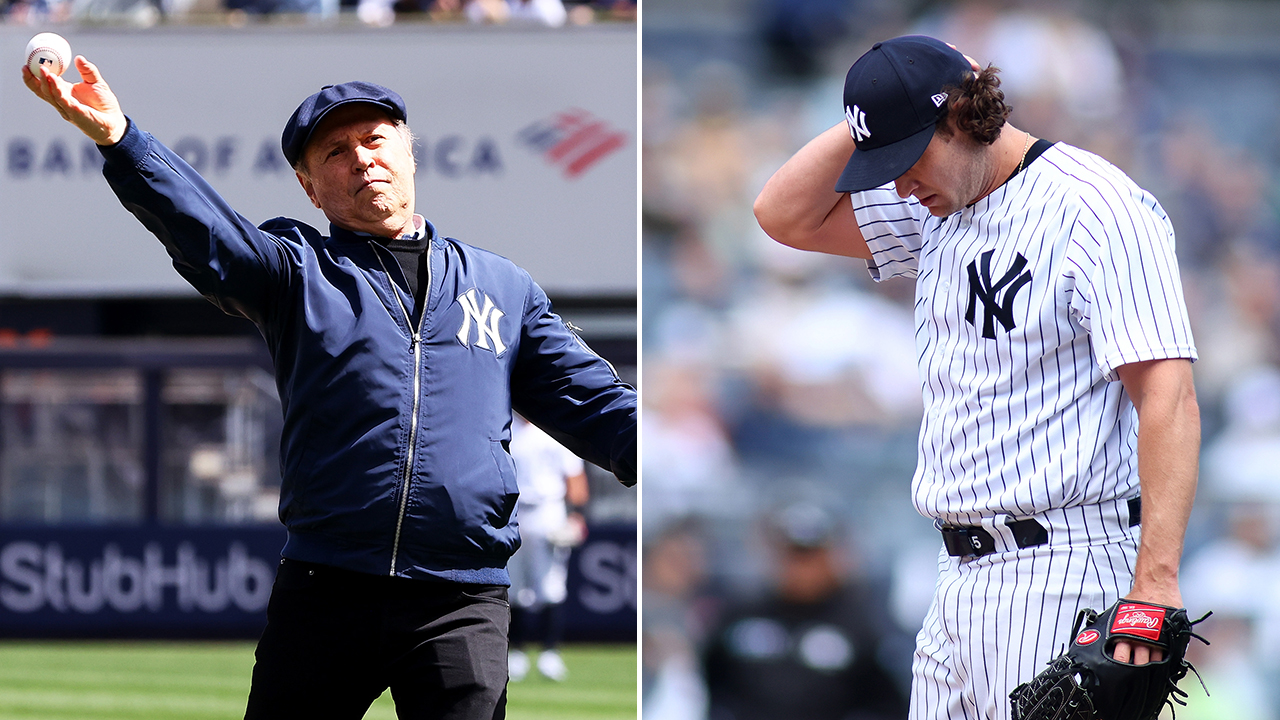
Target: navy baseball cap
{"points": [[893, 97], [297, 132]]}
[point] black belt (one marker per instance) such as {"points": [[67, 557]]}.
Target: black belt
{"points": [[966, 540]]}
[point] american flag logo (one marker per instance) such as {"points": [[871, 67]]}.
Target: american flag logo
{"points": [[572, 139]]}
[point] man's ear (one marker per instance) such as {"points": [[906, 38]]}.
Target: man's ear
{"points": [[308, 188]]}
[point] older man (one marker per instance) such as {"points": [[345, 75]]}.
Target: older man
{"points": [[399, 355]]}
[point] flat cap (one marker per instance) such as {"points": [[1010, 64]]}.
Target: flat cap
{"points": [[297, 132]]}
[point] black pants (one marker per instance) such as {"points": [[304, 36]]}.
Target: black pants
{"points": [[335, 640]]}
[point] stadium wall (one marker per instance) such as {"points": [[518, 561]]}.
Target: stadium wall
{"points": [[527, 145]]}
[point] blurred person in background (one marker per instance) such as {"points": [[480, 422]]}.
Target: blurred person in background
{"points": [[797, 32], [1231, 684], [320, 9], [1062, 73], [398, 492], [35, 12], [553, 498], [676, 620], [549, 13], [1240, 297], [1242, 463], [1239, 577], [813, 647], [545, 13], [810, 383], [1237, 573], [687, 454]]}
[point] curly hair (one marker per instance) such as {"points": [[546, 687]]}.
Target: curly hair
{"points": [[976, 108]]}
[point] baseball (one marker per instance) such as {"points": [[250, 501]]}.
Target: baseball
{"points": [[51, 50]]}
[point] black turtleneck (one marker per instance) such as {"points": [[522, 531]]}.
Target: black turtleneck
{"points": [[409, 251]]}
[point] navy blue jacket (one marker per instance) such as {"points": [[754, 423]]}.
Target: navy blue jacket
{"points": [[394, 451]]}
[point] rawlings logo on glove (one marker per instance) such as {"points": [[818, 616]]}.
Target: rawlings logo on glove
{"points": [[1086, 683], [1142, 621]]}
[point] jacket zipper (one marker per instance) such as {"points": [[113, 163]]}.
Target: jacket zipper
{"points": [[415, 345]]}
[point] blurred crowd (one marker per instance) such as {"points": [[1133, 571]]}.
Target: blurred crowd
{"points": [[375, 13], [773, 376]]}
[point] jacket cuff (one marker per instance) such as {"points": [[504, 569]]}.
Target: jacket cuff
{"points": [[624, 467], [130, 151]]}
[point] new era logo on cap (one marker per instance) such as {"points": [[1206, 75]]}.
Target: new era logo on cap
{"points": [[857, 123], [938, 99]]}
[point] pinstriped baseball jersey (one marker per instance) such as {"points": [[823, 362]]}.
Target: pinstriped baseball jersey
{"points": [[1026, 303]]}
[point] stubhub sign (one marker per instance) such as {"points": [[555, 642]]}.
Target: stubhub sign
{"points": [[136, 582], [39, 577], [139, 582]]}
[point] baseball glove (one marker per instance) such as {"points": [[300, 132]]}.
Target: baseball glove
{"points": [[1086, 683]]}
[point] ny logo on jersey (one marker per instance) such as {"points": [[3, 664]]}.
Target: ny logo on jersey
{"points": [[484, 317], [857, 123], [981, 288]]}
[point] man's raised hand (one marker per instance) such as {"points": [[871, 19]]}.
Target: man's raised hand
{"points": [[89, 105]]}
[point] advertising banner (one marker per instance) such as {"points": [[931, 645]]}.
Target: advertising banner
{"points": [[526, 145], [214, 582], [136, 582], [603, 586]]}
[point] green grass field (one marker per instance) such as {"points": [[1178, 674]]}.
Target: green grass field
{"points": [[181, 681]]}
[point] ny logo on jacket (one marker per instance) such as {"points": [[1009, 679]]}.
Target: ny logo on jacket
{"points": [[483, 315]]}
